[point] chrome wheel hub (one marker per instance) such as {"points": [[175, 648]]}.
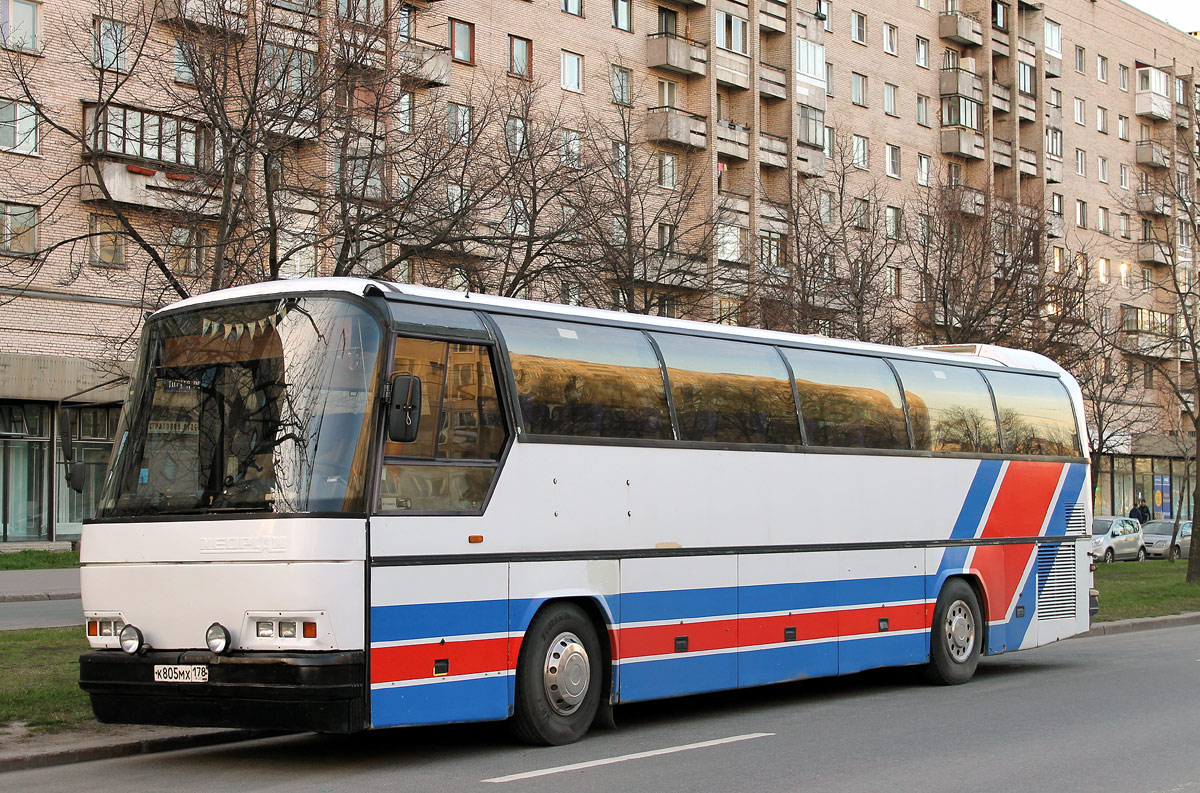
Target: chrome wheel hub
{"points": [[960, 631], [566, 673]]}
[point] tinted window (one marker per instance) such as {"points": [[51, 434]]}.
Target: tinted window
{"points": [[848, 400], [729, 391], [1035, 414], [950, 408], [585, 380]]}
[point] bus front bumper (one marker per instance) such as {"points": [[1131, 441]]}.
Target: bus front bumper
{"points": [[322, 692]]}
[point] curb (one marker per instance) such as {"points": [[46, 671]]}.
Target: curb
{"points": [[129, 747], [1142, 624], [26, 598]]}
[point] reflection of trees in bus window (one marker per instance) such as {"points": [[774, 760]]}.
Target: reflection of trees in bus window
{"points": [[848, 400], [585, 380], [729, 391], [950, 408], [1035, 414]]}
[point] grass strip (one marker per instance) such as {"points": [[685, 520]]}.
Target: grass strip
{"points": [[39, 560], [1144, 589], [39, 679]]}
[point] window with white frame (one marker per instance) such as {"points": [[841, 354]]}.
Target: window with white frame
{"points": [[1080, 60], [1054, 143], [891, 39], [923, 110], [1102, 270], [573, 7], [1102, 68], [1102, 169], [893, 160], [1102, 220], [110, 45], [620, 159], [458, 123], [892, 222], [923, 52], [1126, 225], [861, 213], [825, 205], [1081, 162], [106, 241], [1081, 214], [860, 153], [858, 89], [1102, 120], [18, 127], [893, 281], [923, 168], [1056, 204], [571, 65], [891, 95], [668, 93], [572, 147], [1123, 127], [827, 149], [622, 15], [18, 229], [858, 27], [1123, 76], [620, 80], [825, 9], [810, 60], [1080, 112], [1053, 38], [666, 170], [729, 242], [19, 24], [732, 33]]}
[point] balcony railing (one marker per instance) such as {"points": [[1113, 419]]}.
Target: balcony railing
{"points": [[666, 124], [1153, 154], [961, 28], [674, 53]]}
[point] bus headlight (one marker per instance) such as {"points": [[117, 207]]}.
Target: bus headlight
{"points": [[217, 638], [131, 639]]}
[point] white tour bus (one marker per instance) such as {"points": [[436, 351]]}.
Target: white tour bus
{"points": [[338, 504]]}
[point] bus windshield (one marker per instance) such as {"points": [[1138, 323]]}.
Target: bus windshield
{"points": [[246, 407]]}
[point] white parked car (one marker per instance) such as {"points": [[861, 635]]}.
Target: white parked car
{"points": [[1117, 538], [1157, 536]]}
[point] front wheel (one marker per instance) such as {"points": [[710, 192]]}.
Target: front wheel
{"points": [[1175, 553], [1141, 554], [558, 677], [1108, 556], [954, 641]]}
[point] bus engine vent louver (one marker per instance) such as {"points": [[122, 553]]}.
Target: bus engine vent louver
{"points": [[1056, 581], [1076, 520]]}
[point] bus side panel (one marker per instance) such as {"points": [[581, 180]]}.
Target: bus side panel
{"points": [[439, 644], [787, 623], [677, 638], [883, 619]]}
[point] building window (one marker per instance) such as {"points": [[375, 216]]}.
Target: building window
{"points": [[893, 161], [858, 27], [622, 18], [1126, 227], [18, 127], [923, 167], [668, 93], [1055, 99], [861, 216], [1080, 60], [620, 159], [520, 57], [860, 152], [1123, 76], [19, 31], [828, 78], [999, 15], [106, 243], [183, 65], [1056, 257], [572, 71], [892, 222], [810, 59], [1056, 204], [890, 94], [186, 251], [1054, 143], [109, 45], [1102, 120], [1102, 271], [1081, 162], [1081, 215], [1102, 220], [923, 110], [811, 125], [1180, 91], [571, 149], [145, 135], [1147, 279], [18, 229], [462, 41], [1123, 127], [1080, 112], [1026, 79], [1102, 169], [573, 7], [959, 111], [923, 52], [1124, 176], [515, 136], [458, 123], [1102, 68], [729, 242], [858, 89], [1053, 39], [825, 10], [666, 170], [827, 149], [825, 206], [731, 33], [893, 281], [666, 237], [620, 80], [891, 39]]}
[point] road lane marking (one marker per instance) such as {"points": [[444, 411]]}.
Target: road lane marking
{"points": [[635, 756]]}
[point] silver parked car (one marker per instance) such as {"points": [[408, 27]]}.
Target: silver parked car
{"points": [[1157, 536], [1117, 538]]}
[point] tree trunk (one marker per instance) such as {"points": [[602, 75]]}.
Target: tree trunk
{"points": [[1193, 568]]}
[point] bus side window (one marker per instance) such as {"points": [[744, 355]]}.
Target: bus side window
{"points": [[451, 464], [950, 408], [729, 391], [585, 380], [1035, 414], [848, 400]]}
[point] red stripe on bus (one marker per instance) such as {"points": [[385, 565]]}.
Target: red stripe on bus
{"points": [[416, 661], [660, 639]]}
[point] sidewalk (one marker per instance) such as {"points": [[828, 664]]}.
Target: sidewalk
{"points": [[101, 742], [17, 586]]}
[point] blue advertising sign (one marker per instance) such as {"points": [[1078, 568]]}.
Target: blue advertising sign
{"points": [[1162, 496]]}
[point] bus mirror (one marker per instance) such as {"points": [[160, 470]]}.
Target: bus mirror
{"points": [[65, 431], [75, 476], [404, 408]]}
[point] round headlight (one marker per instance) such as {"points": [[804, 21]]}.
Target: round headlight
{"points": [[217, 638], [131, 639]]}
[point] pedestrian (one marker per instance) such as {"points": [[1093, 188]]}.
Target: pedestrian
{"points": [[1145, 512], [1135, 512]]}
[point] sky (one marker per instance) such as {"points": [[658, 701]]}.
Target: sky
{"points": [[1183, 14]]}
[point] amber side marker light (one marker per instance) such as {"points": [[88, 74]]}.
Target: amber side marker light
{"points": [[93, 628], [474, 538], [310, 630]]}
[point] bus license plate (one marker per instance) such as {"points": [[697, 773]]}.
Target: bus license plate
{"points": [[181, 674]]}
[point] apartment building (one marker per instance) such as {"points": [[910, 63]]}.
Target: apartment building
{"points": [[1076, 105]]}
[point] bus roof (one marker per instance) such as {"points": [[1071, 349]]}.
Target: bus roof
{"points": [[979, 354]]}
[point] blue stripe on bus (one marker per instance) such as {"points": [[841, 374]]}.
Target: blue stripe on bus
{"points": [[830, 594], [483, 699], [787, 662], [673, 677], [855, 655], [966, 527], [437, 620], [678, 604]]}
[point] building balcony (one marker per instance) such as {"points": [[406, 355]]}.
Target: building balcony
{"points": [[1028, 158], [678, 54], [1002, 153], [734, 203], [1151, 252], [1153, 154], [1152, 203], [1026, 107], [1052, 66], [772, 81], [1001, 43], [361, 48], [424, 63], [226, 16], [150, 186], [962, 142], [772, 16], [961, 28], [1026, 51], [1148, 104], [1054, 170], [672, 269], [731, 68], [733, 140], [772, 150], [1001, 98], [1149, 345], [1182, 118], [1053, 117], [810, 162], [672, 125], [967, 200], [961, 81], [1056, 226]]}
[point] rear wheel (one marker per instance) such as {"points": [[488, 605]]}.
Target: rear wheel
{"points": [[1141, 554], [1174, 553], [558, 677], [954, 641], [1108, 556]]}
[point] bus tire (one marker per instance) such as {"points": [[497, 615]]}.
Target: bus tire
{"points": [[956, 635], [558, 677]]}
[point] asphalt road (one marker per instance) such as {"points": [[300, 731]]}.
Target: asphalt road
{"points": [[40, 614], [1112, 713]]}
